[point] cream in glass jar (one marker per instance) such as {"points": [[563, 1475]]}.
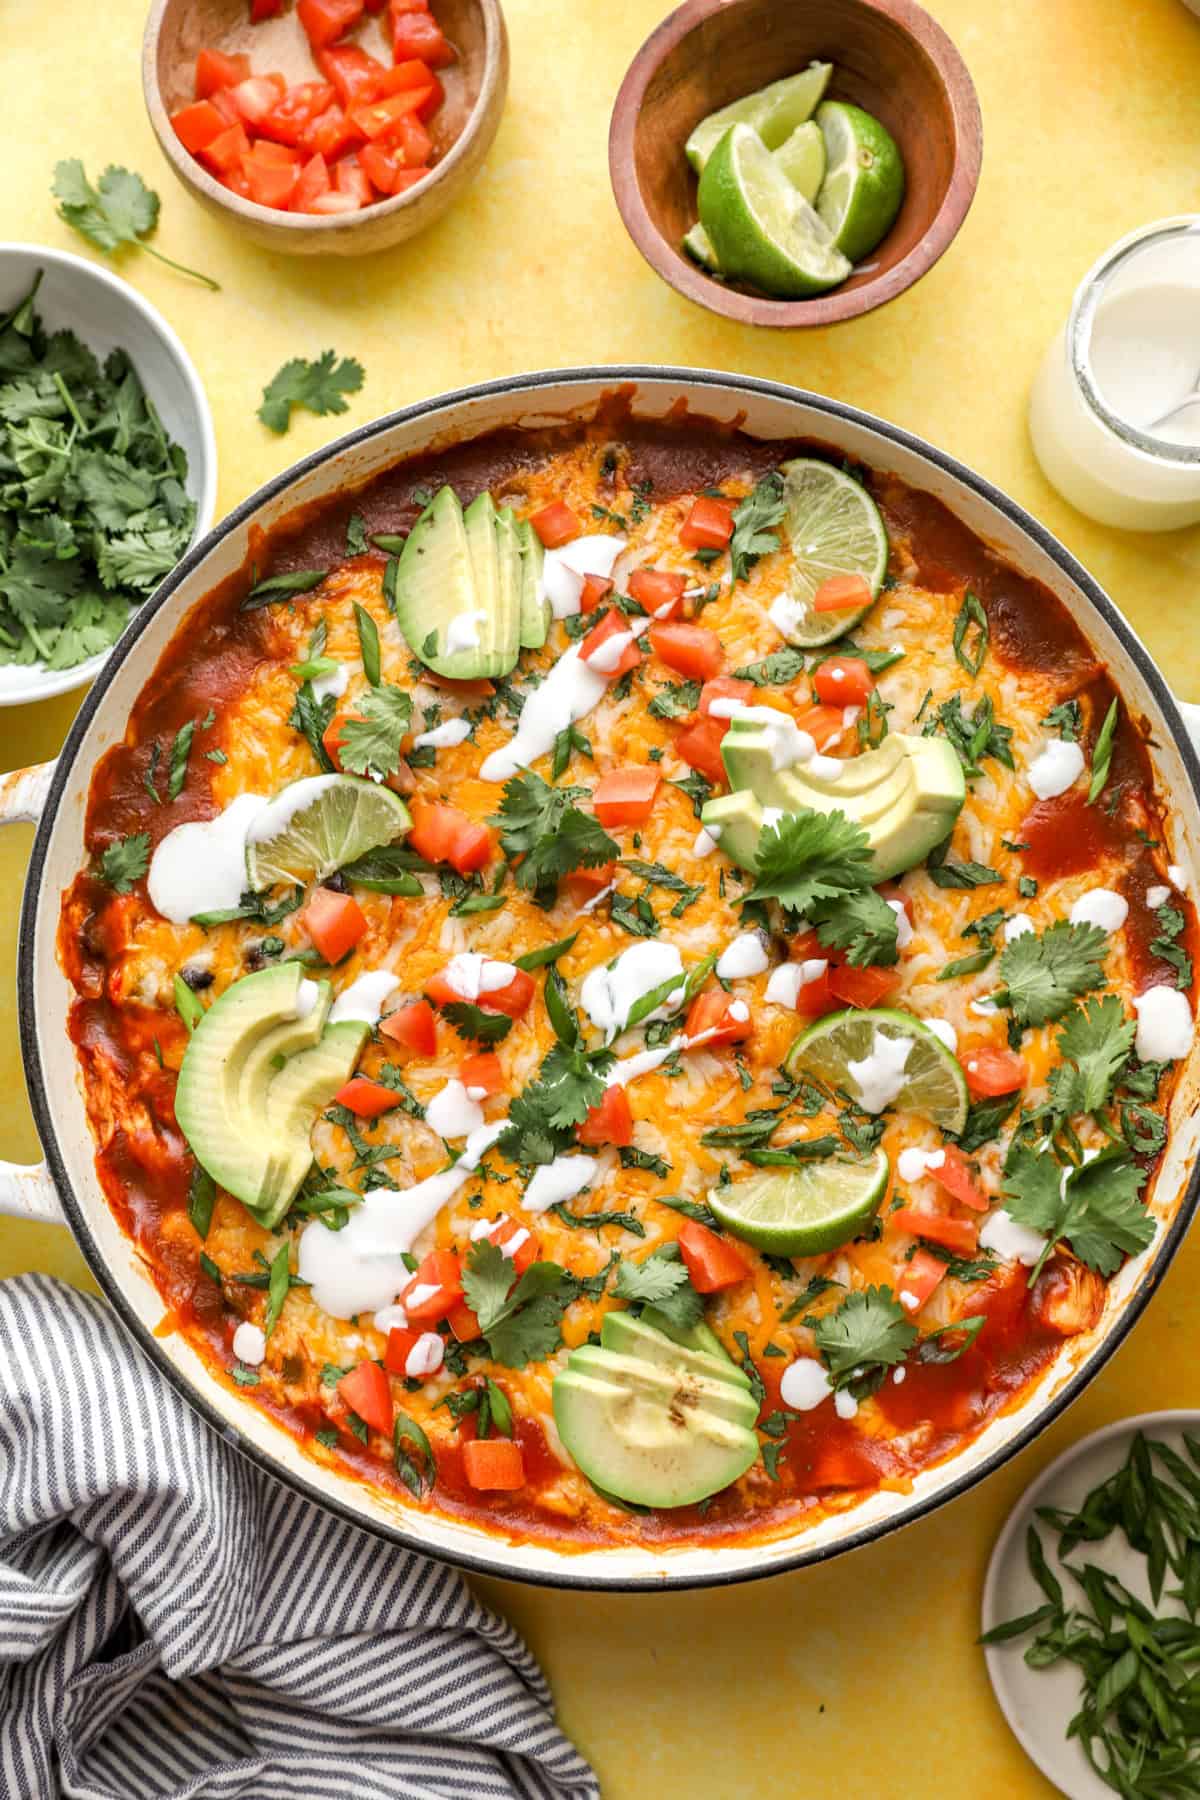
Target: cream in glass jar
{"points": [[1115, 409]]}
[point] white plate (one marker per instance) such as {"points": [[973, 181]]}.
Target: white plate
{"points": [[107, 314], [1039, 1703]]}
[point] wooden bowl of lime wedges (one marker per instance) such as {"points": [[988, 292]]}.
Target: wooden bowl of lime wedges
{"points": [[795, 162]]}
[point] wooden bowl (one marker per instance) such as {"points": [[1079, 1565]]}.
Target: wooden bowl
{"points": [[888, 56], [462, 128]]}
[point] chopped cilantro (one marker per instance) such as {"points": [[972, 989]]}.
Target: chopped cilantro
{"points": [[755, 525], [124, 862], [369, 740]]}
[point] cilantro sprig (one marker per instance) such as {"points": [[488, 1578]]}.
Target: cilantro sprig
{"points": [[319, 386], [755, 523], [119, 210], [863, 1338], [543, 827], [1095, 1207], [1043, 973], [369, 741], [811, 856], [522, 1323]]}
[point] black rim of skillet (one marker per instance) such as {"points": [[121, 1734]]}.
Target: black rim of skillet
{"points": [[496, 1563]]}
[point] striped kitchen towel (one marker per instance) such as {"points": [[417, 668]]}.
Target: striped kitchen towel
{"points": [[173, 1623]]}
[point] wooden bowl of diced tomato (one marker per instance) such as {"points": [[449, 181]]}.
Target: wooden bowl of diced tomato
{"points": [[341, 126]]}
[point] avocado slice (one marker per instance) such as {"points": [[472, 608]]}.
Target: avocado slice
{"points": [[679, 1388], [300, 1090], [628, 1335], [508, 562], [535, 608], [631, 1442], [448, 575], [247, 1116], [905, 794]]}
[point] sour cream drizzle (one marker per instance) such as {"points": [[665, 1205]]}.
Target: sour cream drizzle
{"points": [[201, 867], [563, 569]]}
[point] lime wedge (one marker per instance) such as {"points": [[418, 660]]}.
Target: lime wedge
{"points": [[761, 229], [864, 178], [801, 1212], [698, 246], [931, 1082], [802, 159], [834, 528], [773, 112], [318, 825]]}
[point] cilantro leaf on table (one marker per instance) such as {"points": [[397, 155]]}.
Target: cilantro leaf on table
{"points": [[861, 925], [1042, 973], [1095, 1207], [811, 856], [543, 827], [661, 1281], [125, 861], [525, 1325], [1094, 1044], [754, 525], [119, 210], [319, 386], [862, 1338], [370, 739]]}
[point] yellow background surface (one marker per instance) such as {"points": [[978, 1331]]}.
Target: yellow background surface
{"points": [[860, 1677]]}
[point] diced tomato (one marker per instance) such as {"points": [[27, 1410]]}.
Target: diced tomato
{"points": [[272, 183], [415, 74], [417, 36], [959, 1179], [380, 118], [407, 178], [595, 589], [355, 73], [225, 153], [483, 1070], [612, 625], [843, 681], [336, 202], [712, 1262], [862, 987], [959, 1235], [264, 9], [380, 169], [693, 650], [920, 1276], [197, 125], [413, 1027], [349, 178], [556, 524], [255, 97], [512, 999], [709, 525], [441, 1271], [313, 182], [325, 21], [824, 724], [400, 1346], [365, 1098], [365, 1390], [700, 747], [334, 922], [842, 593], [583, 885], [993, 1072], [493, 1464], [300, 107], [444, 834], [816, 998], [463, 1323], [658, 590], [625, 796], [223, 101], [215, 70], [236, 182], [611, 1122], [710, 1013], [724, 687], [511, 1231], [332, 135]]}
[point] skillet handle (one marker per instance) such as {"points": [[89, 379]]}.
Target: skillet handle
{"points": [[24, 792], [26, 1190]]}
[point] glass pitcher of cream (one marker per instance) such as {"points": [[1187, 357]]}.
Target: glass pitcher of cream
{"points": [[1115, 409]]}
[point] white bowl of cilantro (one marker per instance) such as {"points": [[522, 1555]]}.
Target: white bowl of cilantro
{"points": [[108, 465]]}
